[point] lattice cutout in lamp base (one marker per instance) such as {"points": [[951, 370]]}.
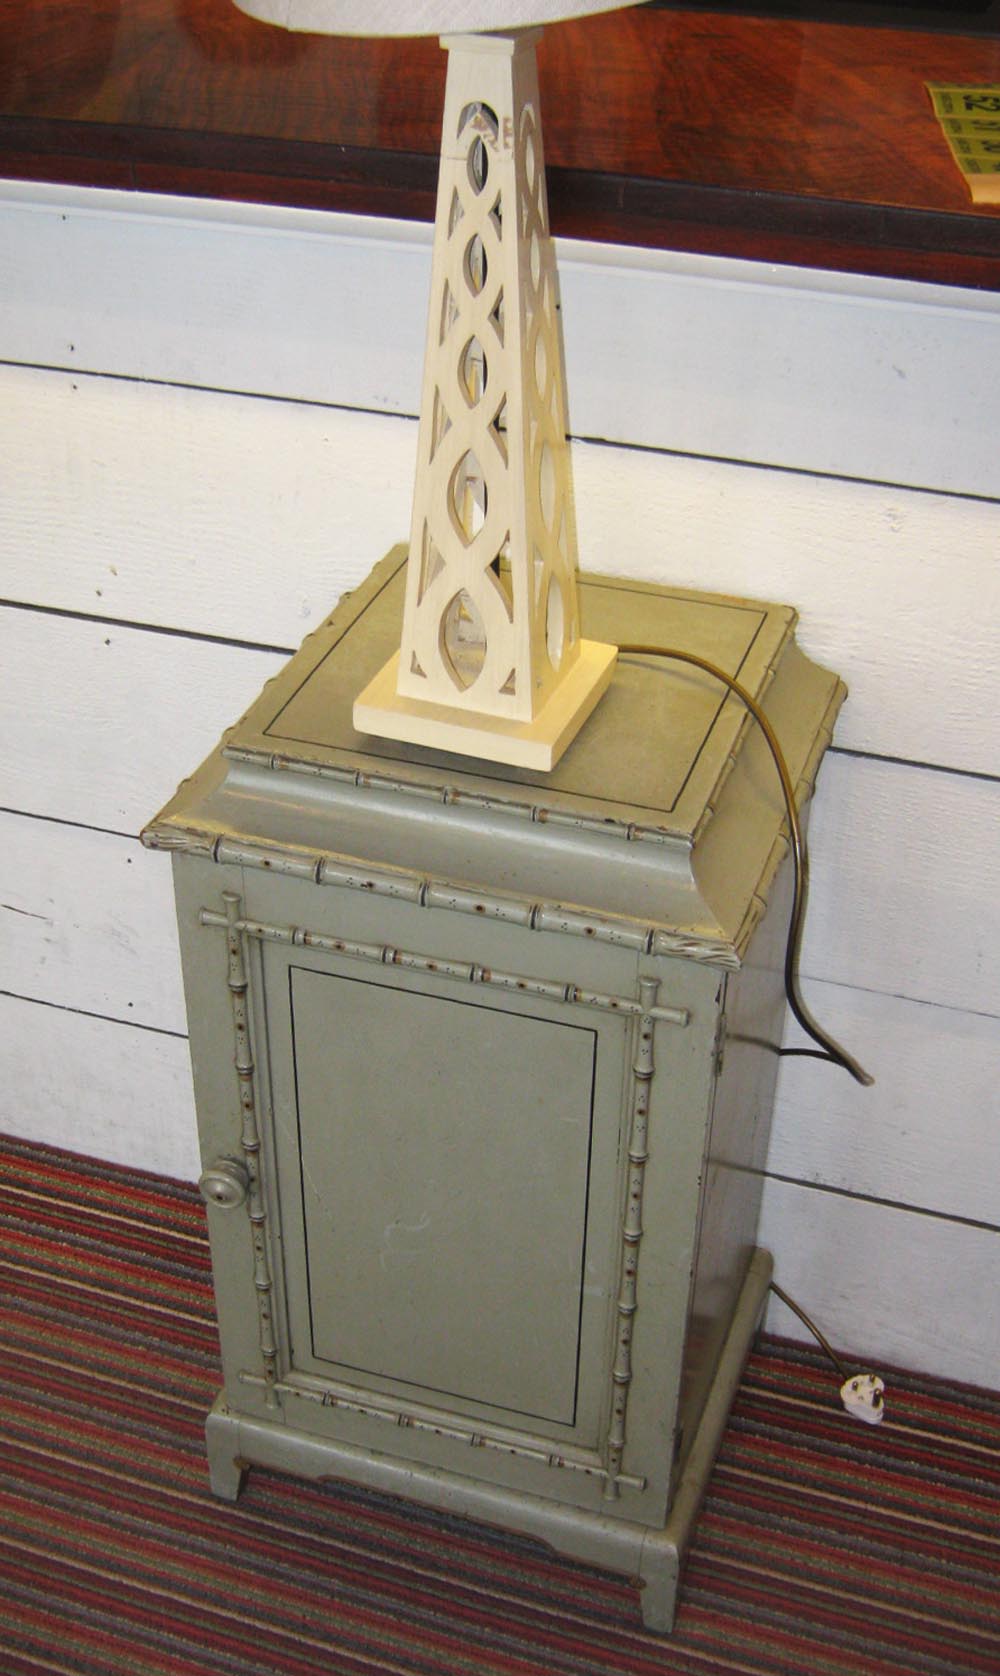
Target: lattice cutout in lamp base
{"points": [[492, 662]]}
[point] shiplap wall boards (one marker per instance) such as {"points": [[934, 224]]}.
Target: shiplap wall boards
{"points": [[209, 434]]}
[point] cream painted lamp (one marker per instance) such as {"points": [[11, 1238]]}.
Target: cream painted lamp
{"points": [[491, 663]]}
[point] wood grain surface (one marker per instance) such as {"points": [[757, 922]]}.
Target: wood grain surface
{"points": [[773, 138]]}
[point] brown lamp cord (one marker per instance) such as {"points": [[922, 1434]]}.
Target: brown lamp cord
{"points": [[827, 1048]]}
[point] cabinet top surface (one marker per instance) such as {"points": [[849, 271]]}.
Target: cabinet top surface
{"points": [[653, 766], [651, 755]]}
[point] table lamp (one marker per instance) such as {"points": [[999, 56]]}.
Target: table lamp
{"points": [[491, 663]]}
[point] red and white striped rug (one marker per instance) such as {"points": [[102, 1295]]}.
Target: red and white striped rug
{"points": [[825, 1548]]}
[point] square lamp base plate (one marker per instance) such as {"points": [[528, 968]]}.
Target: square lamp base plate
{"points": [[539, 744]]}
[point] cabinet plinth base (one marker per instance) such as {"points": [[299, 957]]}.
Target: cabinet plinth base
{"points": [[654, 1555]]}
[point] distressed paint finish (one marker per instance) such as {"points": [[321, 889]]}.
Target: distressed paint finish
{"points": [[398, 1415], [638, 1157], [444, 1051], [384, 954], [437, 893], [243, 1063]]}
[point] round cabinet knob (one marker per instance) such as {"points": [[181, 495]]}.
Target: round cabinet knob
{"points": [[225, 1184]]}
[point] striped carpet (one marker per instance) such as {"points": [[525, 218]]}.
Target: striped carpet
{"points": [[825, 1547]]}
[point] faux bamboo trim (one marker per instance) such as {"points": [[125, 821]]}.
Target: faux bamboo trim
{"points": [[621, 1373], [426, 892], [385, 954], [451, 795], [407, 1420], [238, 983]]}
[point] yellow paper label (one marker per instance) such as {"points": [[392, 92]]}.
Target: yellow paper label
{"points": [[967, 148], [951, 100], [979, 166], [970, 125]]}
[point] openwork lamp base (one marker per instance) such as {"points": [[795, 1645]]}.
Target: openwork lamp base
{"points": [[491, 662], [537, 744]]}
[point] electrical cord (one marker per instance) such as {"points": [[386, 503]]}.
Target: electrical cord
{"points": [[862, 1394], [796, 1309], [826, 1048]]}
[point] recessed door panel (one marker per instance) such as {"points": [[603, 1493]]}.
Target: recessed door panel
{"points": [[445, 1162]]}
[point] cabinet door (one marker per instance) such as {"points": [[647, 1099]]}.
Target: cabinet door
{"points": [[444, 1152], [446, 1164], [444, 1206]]}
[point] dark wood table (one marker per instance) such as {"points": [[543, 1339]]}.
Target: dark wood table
{"points": [[776, 139]]}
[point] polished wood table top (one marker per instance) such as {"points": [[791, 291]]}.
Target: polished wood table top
{"points": [[752, 136]]}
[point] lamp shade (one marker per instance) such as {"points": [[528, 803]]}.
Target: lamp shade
{"points": [[419, 17]]}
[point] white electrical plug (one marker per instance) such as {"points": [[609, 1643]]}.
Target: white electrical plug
{"points": [[862, 1396]]}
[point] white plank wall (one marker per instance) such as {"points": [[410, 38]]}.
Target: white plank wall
{"points": [[208, 436]]}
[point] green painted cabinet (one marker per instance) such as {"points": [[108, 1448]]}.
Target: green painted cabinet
{"points": [[484, 1067]]}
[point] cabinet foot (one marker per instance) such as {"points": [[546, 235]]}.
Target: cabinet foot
{"points": [[226, 1470], [659, 1575], [663, 1551]]}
